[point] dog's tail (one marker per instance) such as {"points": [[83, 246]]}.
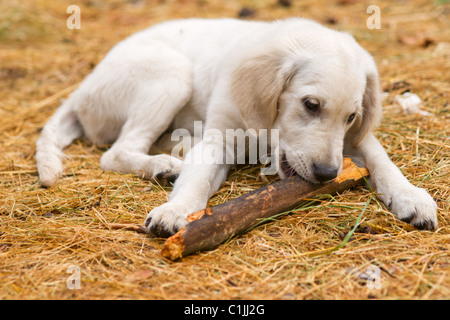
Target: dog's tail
{"points": [[59, 132]]}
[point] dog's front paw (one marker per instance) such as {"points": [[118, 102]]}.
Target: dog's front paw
{"points": [[167, 219], [412, 205]]}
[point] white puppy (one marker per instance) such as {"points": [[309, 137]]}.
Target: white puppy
{"points": [[318, 87]]}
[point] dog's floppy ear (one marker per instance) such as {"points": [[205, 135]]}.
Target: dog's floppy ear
{"points": [[257, 83], [371, 113]]}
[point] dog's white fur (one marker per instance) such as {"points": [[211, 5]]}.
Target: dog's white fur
{"points": [[231, 74]]}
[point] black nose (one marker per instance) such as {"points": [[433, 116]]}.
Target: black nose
{"points": [[322, 173]]}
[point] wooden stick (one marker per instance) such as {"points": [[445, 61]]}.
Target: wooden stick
{"points": [[129, 227], [208, 228]]}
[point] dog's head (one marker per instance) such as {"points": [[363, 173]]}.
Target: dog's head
{"points": [[319, 89]]}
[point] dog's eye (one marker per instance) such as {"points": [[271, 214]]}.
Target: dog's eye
{"points": [[351, 118], [312, 104]]}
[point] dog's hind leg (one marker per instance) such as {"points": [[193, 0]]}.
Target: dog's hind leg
{"points": [[130, 99], [160, 92]]}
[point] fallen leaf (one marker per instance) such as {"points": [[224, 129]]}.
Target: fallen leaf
{"points": [[246, 13], [138, 276], [285, 3], [416, 40], [397, 85]]}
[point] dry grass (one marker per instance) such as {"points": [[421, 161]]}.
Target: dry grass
{"points": [[43, 231]]}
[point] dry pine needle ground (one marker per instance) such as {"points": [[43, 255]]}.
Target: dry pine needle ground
{"points": [[44, 231]]}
